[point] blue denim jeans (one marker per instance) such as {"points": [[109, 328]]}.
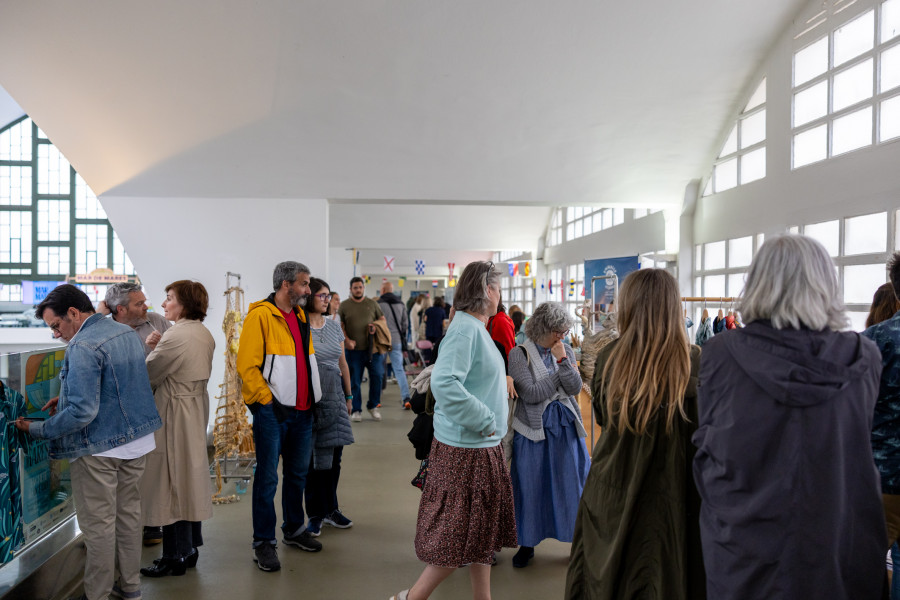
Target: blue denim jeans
{"points": [[357, 360], [399, 370], [292, 441]]}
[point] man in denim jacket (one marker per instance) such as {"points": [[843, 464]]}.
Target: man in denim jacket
{"points": [[103, 422]]}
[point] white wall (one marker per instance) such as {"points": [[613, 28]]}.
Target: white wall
{"points": [[633, 237], [203, 238]]}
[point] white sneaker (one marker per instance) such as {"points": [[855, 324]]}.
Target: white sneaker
{"points": [[356, 416], [376, 414]]}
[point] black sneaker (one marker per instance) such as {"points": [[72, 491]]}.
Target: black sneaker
{"points": [[266, 557], [337, 519], [303, 540]]}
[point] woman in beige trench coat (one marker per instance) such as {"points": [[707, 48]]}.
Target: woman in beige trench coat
{"points": [[175, 489]]}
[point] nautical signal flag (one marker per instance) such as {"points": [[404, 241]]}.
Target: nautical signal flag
{"points": [[527, 269], [434, 283], [401, 281], [389, 263], [367, 278], [511, 269], [420, 267], [571, 288], [515, 269]]}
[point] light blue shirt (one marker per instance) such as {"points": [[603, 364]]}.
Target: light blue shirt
{"points": [[469, 387]]}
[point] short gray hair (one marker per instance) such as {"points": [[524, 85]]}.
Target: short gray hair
{"points": [[287, 271], [472, 287], [117, 295], [547, 318], [792, 282]]}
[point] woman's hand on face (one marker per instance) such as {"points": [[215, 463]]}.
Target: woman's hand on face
{"points": [[558, 350], [510, 387]]}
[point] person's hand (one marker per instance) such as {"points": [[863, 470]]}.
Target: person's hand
{"points": [[153, 339], [510, 387], [51, 406], [558, 350], [350, 344], [102, 308], [349, 407], [22, 424]]}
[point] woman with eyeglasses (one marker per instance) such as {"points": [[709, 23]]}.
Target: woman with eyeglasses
{"points": [[549, 459], [331, 428]]}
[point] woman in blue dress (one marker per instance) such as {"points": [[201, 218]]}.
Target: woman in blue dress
{"points": [[549, 458]]}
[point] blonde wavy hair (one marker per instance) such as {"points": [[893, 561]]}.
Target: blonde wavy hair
{"points": [[650, 366]]}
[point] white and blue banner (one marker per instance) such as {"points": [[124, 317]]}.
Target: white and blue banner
{"points": [[604, 288]]}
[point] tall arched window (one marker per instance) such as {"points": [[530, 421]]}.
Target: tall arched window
{"points": [[51, 223]]}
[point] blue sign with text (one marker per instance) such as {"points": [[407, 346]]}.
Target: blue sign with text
{"points": [[33, 292]]}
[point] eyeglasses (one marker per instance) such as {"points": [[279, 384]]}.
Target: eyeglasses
{"points": [[562, 333], [55, 327], [322, 296]]}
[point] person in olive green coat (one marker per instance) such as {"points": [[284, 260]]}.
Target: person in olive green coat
{"points": [[637, 531]]}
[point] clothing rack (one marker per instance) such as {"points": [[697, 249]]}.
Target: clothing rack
{"points": [[708, 299]]}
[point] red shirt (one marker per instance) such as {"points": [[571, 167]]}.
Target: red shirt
{"points": [[503, 331], [302, 375]]}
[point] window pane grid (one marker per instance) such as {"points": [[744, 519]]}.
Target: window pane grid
{"points": [[53, 260], [15, 186], [53, 171], [10, 293], [53, 221], [90, 248], [15, 142], [36, 237], [860, 66], [15, 236]]}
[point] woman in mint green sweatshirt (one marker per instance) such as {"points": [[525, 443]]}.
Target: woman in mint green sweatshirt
{"points": [[466, 513]]}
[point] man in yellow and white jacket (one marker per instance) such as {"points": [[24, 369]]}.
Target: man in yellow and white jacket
{"points": [[277, 363]]}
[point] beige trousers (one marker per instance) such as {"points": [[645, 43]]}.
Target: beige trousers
{"points": [[108, 506]]}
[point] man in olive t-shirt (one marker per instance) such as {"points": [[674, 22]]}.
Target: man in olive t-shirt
{"points": [[357, 314]]}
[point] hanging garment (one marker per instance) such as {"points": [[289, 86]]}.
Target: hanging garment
{"points": [[729, 322], [718, 325], [688, 323], [704, 331]]}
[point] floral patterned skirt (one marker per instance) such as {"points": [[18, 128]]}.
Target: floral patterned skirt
{"points": [[466, 513]]}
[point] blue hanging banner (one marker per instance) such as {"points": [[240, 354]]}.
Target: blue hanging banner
{"points": [[604, 289]]}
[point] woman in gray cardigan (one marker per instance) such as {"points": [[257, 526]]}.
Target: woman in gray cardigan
{"points": [[549, 459]]}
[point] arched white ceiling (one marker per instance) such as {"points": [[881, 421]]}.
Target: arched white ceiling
{"points": [[507, 102]]}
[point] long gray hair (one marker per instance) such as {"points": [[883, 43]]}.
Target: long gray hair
{"points": [[792, 282]]}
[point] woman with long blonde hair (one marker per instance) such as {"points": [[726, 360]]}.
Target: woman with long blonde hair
{"points": [[637, 533]]}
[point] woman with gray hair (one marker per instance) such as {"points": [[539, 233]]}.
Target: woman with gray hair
{"points": [[791, 505], [466, 511], [549, 459]]}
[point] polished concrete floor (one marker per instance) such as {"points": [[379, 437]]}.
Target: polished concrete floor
{"points": [[373, 559]]}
